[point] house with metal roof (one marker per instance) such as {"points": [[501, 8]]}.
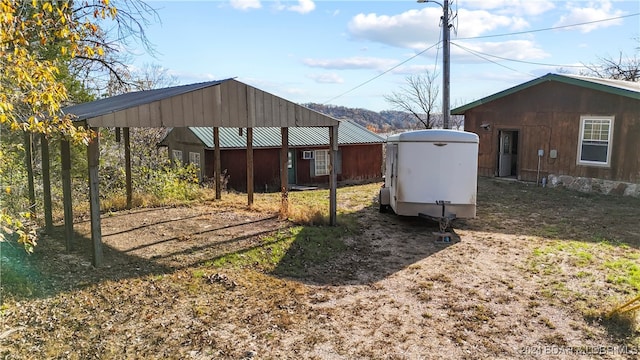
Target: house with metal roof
{"points": [[359, 156], [576, 131]]}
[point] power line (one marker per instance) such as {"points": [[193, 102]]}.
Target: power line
{"points": [[382, 73], [475, 52], [489, 60], [550, 28]]}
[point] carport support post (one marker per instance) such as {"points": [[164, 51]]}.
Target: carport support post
{"points": [[127, 166], [46, 184], [65, 154], [216, 160], [93, 157], [333, 176], [249, 166], [284, 178]]}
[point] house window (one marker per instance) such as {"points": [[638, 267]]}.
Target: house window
{"points": [[194, 158], [596, 135], [321, 162], [177, 156]]}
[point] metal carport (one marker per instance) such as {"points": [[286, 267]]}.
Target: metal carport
{"points": [[224, 103]]}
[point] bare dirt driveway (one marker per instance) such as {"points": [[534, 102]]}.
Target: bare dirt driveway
{"points": [[529, 278]]}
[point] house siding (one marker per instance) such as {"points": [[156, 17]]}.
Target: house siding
{"points": [[547, 116], [358, 163], [186, 142]]}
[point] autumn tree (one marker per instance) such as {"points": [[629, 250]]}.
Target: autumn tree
{"points": [[418, 97], [39, 42]]}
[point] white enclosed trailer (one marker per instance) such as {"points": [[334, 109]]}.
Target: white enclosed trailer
{"points": [[431, 173]]}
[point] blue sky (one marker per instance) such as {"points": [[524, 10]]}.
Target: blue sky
{"points": [[353, 53]]}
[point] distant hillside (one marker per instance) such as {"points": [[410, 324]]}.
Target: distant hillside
{"points": [[384, 121], [381, 122]]}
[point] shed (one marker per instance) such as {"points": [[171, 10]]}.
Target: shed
{"points": [[218, 104], [559, 126], [359, 156]]}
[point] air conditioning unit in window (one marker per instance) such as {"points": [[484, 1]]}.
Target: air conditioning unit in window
{"points": [[307, 155]]}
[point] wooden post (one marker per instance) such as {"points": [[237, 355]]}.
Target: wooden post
{"points": [[28, 148], [333, 176], [65, 154], [284, 178], [46, 184], [249, 166], [216, 158], [93, 157], [127, 166]]}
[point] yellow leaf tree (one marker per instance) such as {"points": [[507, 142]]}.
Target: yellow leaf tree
{"points": [[37, 40]]}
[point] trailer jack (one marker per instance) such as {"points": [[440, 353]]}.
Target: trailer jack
{"points": [[444, 223]]}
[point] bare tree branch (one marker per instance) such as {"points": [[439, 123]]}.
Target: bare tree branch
{"points": [[417, 97], [623, 68]]}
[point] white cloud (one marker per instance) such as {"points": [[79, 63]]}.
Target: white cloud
{"points": [[303, 7], [245, 4], [415, 29], [352, 63], [472, 23], [413, 69], [510, 7], [592, 11], [358, 63], [327, 78], [419, 29]]}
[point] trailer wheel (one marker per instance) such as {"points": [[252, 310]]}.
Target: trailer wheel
{"points": [[383, 208]]}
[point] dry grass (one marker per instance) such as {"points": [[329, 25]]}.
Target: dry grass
{"points": [[538, 267]]}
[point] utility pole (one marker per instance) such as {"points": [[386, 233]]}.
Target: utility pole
{"points": [[446, 60]]}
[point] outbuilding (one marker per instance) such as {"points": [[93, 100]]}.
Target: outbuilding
{"points": [[359, 155], [578, 131], [220, 104]]}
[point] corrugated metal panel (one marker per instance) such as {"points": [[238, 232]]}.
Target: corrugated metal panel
{"points": [[129, 100], [265, 137], [224, 103]]}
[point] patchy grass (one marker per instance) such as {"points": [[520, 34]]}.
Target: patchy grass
{"points": [[536, 265], [593, 277]]}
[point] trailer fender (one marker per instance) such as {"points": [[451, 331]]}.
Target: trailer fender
{"points": [[384, 198]]}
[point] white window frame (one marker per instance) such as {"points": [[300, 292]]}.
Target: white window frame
{"points": [[596, 135], [194, 158], [321, 162], [177, 156]]}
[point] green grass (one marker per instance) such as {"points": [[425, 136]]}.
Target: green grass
{"points": [[590, 263], [296, 250], [624, 271], [293, 251], [619, 267]]}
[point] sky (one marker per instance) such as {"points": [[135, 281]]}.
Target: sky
{"points": [[354, 53]]}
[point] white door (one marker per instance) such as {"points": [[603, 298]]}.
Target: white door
{"points": [[504, 165]]}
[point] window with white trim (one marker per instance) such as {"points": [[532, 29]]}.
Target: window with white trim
{"points": [[194, 158], [596, 135], [321, 158], [177, 156]]}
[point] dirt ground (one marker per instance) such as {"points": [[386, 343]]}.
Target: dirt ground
{"points": [[394, 293]]}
